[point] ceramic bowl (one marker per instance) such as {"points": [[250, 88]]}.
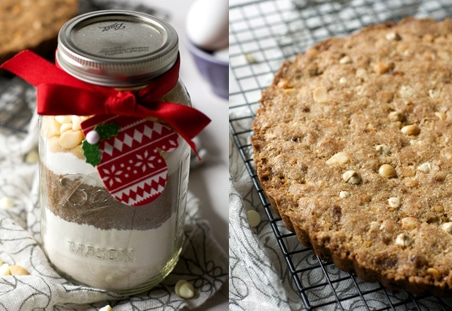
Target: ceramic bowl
{"points": [[214, 70]]}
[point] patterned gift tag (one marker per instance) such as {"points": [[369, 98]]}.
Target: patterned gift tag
{"points": [[127, 154]]}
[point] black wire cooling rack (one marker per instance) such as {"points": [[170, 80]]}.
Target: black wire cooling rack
{"points": [[262, 35]]}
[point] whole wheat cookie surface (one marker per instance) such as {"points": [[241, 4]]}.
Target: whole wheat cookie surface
{"points": [[353, 147], [32, 24]]}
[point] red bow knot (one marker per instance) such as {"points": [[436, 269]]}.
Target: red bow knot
{"points": [[58, 93], [120, 102]]}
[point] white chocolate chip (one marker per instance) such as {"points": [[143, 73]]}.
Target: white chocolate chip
{"points": [[283, 84], [70, 139], [291, 91], [339, 158], [65, 127], [250, 58], [76, 120], [393, 36], [361, 73], [403, 240], [184, 289], [320, 94], [383, 149], [4, 269], [409, 223], [396, 116], [425, 167], [253, 217], [374, 225], [63, 119], [447, 227], [351, 177], [344, 194], [441, 115], [345, 60], [406, 91], [433, 94], [32, 157], [394, 202], [6, 202], [52, 127]]}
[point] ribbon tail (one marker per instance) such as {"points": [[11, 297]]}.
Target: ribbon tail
{"points": [[185, 120], [37, 70]]}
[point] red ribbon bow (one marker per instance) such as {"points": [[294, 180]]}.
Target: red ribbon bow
{"points": [[59, 93]]}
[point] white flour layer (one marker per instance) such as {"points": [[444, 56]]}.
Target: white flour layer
{"points": [[117, 260]]}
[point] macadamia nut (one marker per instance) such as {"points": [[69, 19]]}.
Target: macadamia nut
{"points": [[184, 289], [6, 202], [18, 270], [254, 218]]}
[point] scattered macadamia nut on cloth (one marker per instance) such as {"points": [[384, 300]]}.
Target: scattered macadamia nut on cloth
{"points": [[184, 289], [32, 157], [6, 269], [18, 270], [6, 202], [254, 218]]}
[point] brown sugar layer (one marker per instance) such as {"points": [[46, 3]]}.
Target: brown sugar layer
{"points": [[353, 147], [32, 24], [82, 203]]}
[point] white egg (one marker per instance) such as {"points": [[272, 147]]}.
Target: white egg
{"points": [[207, 24]]}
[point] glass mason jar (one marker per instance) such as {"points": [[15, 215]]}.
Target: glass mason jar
{"points": [[89, 236]]}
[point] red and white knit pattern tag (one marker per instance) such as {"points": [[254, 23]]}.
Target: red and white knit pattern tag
{"points": [[132, 167]]}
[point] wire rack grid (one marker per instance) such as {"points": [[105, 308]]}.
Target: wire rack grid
{"points": [[262, 35]]}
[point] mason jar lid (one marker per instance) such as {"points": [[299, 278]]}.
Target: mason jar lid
{"points": [[116, 48]]}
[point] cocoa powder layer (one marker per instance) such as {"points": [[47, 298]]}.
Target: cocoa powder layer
{"points": [[81, 203], [352, 145]]}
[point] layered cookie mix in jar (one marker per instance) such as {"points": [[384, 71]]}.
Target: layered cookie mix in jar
{"points": [[115, 142]]}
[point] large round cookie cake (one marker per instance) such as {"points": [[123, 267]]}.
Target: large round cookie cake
{"points": [[353, 147]]}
